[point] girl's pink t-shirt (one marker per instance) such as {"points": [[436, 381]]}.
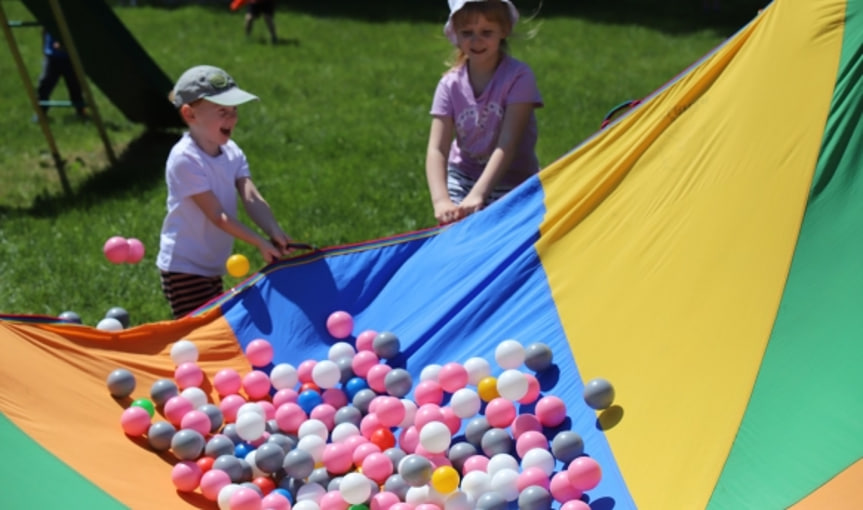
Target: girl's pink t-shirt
{"points": [[478, 120]]}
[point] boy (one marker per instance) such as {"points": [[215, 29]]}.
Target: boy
{"points": [[205, 173]]}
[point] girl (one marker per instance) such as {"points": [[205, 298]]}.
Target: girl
{"points": [[483, 132]]}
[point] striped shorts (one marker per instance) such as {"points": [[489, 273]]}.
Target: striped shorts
{"points": [[459, 185], [186, 292]]}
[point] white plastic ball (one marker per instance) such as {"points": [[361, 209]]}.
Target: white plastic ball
{"points": [[250, 426], [501, 461], [284, 375], [184, 351], [430, 372], [435, 437], [504, 483], [509, 354], [512, 384], [477, 369], [355, 488], [326, 374], [313, 427], [540, 458], [195, 395], [251, 407], [418, 495], [311, 492], [343, 431], [109, 324], [476, 483], [465, 403], [314, 446], [341, 350], [225, 494], [306, 505], [458, 500]]}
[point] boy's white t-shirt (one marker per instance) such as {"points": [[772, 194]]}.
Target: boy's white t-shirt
{"points": [[190, 242]]}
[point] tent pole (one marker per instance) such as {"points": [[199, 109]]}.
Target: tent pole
{"points": [[69, 45], [43, 119]]}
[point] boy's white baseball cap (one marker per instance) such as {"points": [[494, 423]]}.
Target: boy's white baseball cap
{"points": [[456, 5], [210, 83]]}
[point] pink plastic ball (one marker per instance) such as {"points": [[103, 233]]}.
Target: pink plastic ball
{"points": [[533, 390], [377, 466], [175, 408], [530, 440], [256, 384], [500, 412], [196, 420], [475, 463], [409, 439], [524, 423], [186, 475], [135, 421], [365, 340], [428, 392], [326, 413], [584, 473], [452, 421], [402, 506], [284, 396], [289, 417], [384, 500], [363, 450], [230, 405], [259, 352], [390, 410], [427, 413], [188, 374], [269, 409], [376, 375], [227, 382], [116, 249], [452, 377], [335, 397], [245, 498], [363, 361], [275, 501], [333, 501], [304, 370], [561, 488], [340, 324], [550, 410], [212, 482], [532, 476], [136, 251], [337, 458], [426, 506], [369, 424], [575, 504]]}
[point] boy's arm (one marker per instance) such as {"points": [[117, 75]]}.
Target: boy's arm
{"points": [[209, 204], [259, 211]]}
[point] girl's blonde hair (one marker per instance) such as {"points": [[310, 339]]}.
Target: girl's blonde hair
{"points": [[494, 11]]}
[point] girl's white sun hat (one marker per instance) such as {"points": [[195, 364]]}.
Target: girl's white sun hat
{"points": [[456, 5]]}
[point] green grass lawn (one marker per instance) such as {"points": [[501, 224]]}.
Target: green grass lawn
{"points": [[336, 145]]}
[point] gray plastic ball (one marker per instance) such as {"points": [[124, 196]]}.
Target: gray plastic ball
{"points": [[230, 430], [215, 414], [219, 445], [534, 497], [598, 393], [120, 314], [285, 442], [460, 452], [346, 368], [475, 429], [187, 444], [231, 465], [70, 316], [397, 485], [121, 383], [416, 470], [538, 356], [491, 501], [566, 446], [247, 471], [395, 454], [496, 441], [386, 345], [362, 398], [159, 435], [348, 414], [334, 483], [269, 457], [398, 382], [320, 476], [291, 485], [298, 463], [250, 485], [162, 390]]}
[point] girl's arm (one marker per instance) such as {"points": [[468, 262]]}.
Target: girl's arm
{"points": [[515, 122], [209, 204], [437, 154]]}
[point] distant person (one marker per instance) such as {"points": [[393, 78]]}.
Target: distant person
{"points": [[206, 172], [258, 8], [483, 132], [56, 64]]}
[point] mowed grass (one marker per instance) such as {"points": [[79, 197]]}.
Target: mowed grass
{"points": [[336, 145]]}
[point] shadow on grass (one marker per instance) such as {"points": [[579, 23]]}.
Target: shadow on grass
{"points": [[139, 167]]}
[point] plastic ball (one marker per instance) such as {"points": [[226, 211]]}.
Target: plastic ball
{"points": [[196, 420], [567, 445], [390, 411], [538, 356], [575, 504], [340, 324], [534, 498], [250, 426], [550, 410], [187, 444], [377, 466], [136, 251], [377, 377], [509, 354], [121, 383], [477, 369], [430, 372], [532, 476], [383, 438], [284, 376], [184, 351], [386, 345], [598, 394], [487, 388], [340, 350], [512, 385], [445, 479], [259, 352], [298, 464], [501, 461], [230, 405], [120, 314], [256, 384], [265, 484], [584, 473], [363, 361], [109, 324], [561, 488], [365, 340], [146, 404], [496, 441], [227, 382], [475, 429], [326, 374], [135, 421], [525, 422], [314, 445], [215, 415], [275, 501], [195, 395], [245, 498], [533, 390], [500, 412], [337, 458], [188, 374], [70, 316], [398, 382], [435, 437], [237, 265], [162, 390], [529, 441], [159, 435], [477, 484], [116, 249], [459, 452], [538, 458], [503, 482], [465, 403], [212, 482], [229, 464], [428, 392], [186, 475], [415, 470], [452, 376], [354, 488]]}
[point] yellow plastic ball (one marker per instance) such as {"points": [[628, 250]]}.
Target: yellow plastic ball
{"points": [[445, 479], [237, 265], [486, 388]]}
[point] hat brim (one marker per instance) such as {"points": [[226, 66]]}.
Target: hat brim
{"points": [[232, 97], [449, 30]]}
